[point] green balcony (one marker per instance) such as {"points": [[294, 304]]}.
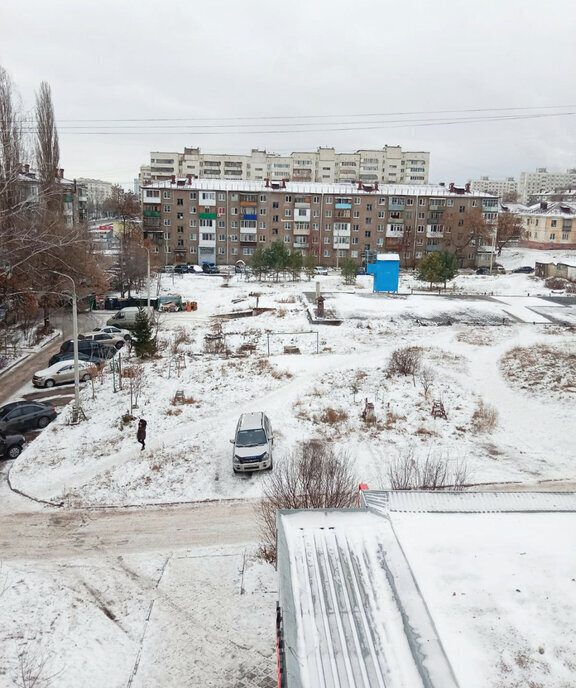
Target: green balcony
{"points": [[207, 216]]}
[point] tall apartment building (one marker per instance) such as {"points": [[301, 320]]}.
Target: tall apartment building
{"points": [[497, 187], [389, 165], [97, 191], [532, 184], [194, 220]]}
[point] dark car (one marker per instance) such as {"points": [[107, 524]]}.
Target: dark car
{"points": [[11, 446], [21, 416], [482, 271], [82, 356], [525, 268], [89, 346], [180, 269], [210, 268]]}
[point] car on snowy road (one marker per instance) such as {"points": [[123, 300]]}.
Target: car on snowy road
{"points": [[525, 269], [62, 372], [21, 416], [103, 338], [319, 270], [11, 446]]}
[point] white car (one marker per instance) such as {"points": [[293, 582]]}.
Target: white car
{"points": [[116, 331], [62, 372], [104, 338], [319, 270]]}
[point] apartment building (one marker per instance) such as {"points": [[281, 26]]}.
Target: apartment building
{"points": [[73, 194], [389, 165], [532, 184], [496, 187], [97, 191], [548, 225], [195, 220]]}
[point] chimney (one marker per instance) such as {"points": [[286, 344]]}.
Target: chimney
{"points": [[467, 188], [189, 178], [359, 186], [451, 187], [375, 186], [267, 180], [61, 173], [442, 183], [283, 183], [26, 169], [173, 180], [543, 205]]}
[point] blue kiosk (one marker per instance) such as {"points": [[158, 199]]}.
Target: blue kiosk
{"points": [[386, 271]]}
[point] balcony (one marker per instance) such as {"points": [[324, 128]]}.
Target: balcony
{"points": [[346, 214], [252, 217], [396, 205], [248, 204], [151, 223], [151, 213], [248, 239], [207, 242], [301, 231], [343, 206], [394, 230], [207, 216], [301, 244], [433, 231]]}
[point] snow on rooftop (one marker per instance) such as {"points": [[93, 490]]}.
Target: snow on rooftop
{"points": [[259, 186]]}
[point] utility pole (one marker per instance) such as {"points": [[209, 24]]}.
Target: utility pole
{"points": [[76, 409]]}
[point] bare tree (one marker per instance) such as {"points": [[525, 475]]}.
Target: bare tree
{"points": [[47, 149], [464, 229], [314, 476], [405, 361], [426, 378], [509, 227]]}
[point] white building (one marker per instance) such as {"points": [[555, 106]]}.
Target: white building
{"points": [[498, 187], [532, 184], [388, 165]]}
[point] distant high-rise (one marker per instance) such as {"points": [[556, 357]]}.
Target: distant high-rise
{"points": [[388, 165]]}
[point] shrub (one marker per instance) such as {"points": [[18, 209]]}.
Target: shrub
{"points": [[555, 283], [434, 472], [314, 476], [406, 361], [181, 336], [331, 416], [484, 418]]}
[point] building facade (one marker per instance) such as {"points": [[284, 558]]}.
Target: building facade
{"points": [[496, 187], [97, 191], [389, 165], [191, 220], [548, 225], [532, 184]]}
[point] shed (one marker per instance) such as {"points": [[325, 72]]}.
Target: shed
{"points": [[386, 271]]}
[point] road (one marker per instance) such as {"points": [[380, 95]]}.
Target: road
{"points": [[61, 535]]}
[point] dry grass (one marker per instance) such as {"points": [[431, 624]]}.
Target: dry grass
{"points": [[331, 416], [484, 418], [542, 369]]}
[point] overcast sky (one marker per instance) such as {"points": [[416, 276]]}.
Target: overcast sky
{"points": [[318, 72]]}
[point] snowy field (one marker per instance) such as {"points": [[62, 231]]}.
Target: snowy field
{"points": [[494, 340]]}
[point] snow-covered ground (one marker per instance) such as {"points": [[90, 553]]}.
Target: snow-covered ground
{"points": [[473, 347]]}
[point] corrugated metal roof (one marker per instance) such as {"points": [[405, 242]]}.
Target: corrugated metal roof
{"points": [[468, 502]]}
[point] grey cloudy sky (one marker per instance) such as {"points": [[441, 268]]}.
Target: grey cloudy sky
{"points": [[341, 71]]}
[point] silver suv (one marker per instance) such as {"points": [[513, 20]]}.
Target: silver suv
{"points": [[253, 443]]}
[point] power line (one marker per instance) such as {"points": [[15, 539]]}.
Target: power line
{"points": [[325, 127]]}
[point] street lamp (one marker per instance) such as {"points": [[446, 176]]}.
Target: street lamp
{"points": [[76, 409]]}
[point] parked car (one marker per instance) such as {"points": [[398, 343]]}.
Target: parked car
{"points": [[82, 356], [11, 446], [21, 416], [319, 270], [253, 443], [180, 269], [104, 338], [99, 349], [167, 268], [482, 271], [525, 268], [118, 331], [127, 316], [62, 372], [210, 268]]}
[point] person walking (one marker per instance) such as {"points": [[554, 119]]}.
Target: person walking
{"points": [[141, 434]]}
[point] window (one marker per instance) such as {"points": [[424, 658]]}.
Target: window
{"points": [[234, 224], [262, 225], [221, 237], [167, 235], [247, 251], [553, 223], [192, 223], [315, 213], [369, 206], [421, 216], [462, 209], [355, 228], [180, 201], [166, 208], [356, 214], [354, 240], [409, 201], [288, 199], [450, 202], [234, 211], [316, 199], [221, 224], [180, 242], [180, 229], [192, 237], [167, 223], [275, 218], [263, 198], [287, 212], [221, 196], [328, 227], [474, 204], [326, 253], [180, 216], [275, 204], [368, 221], [315, 226], [420, 228], [380, 241], [193, 196], [287, 239], [326, 240], [552, 236], [367, 234], [329, 199], [288, 225], [328, 213], [262, 211], [234, 251], [421, 201], [380, 228], [381, 214], [262, 237], [166, 195]]}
